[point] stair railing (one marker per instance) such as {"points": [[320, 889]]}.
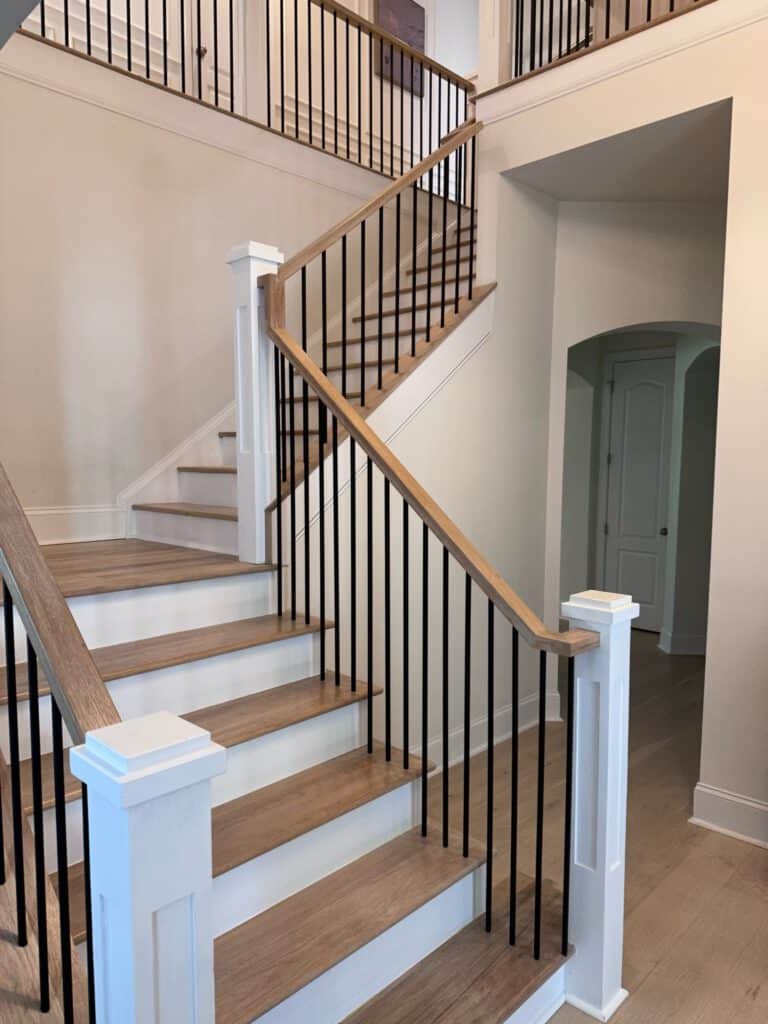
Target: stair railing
{"points": [[312, 70], [137, 851]]}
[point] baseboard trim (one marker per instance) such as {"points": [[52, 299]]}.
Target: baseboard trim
{"points": [[73, 523], [739, 817], [478, 730], [603, 1014], [682, 643]]}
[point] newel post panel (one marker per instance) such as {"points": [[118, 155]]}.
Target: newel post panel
{"points": [[149, 814], [254, 396], [599, 814]]}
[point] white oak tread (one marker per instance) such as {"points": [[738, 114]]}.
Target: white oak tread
{"points": [[267, 959], [188, 508]]}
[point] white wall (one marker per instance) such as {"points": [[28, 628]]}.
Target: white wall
{"points": [[712, 54], [119, 204]]}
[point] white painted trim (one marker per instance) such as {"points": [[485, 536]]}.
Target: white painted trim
{"points": [[67, 524], [694, 28], [544, 1003], [740, 817], [603, 1014], [158, 474], [682, 643]]}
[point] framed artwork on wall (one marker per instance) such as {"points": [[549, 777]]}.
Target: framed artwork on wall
{"points": [[407, 20]]}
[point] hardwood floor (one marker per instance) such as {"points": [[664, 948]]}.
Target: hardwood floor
{"points": [[696, 940]]}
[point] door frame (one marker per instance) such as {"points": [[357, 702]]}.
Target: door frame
{"points": [[606, 414]]}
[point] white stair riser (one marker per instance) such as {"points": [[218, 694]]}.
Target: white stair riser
{"points": [[359, 977], [184, 688], [187, 531], [208, 488], [264, 881], [127, 615]]}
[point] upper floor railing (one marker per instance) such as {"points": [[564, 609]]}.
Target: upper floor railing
{"points": [[309, 69]]}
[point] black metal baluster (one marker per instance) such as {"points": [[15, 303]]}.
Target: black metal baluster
{"points": [[397, 282], [89, 958], [128, 32], [406, 643], [421, 113], [514, 775], [182, 43], [627, 7], [541, 33], [402, 112], [353, 563], [15, 767], [62, 862], [430, 214], [457, 287], [216, 52], [550, 48], [467, 705], [199, 53], [279, 402], [391, 110], [41, 878], [540, 805], [305, 444], [370, 101], [282, 65], [445, 693], [322, 74], [232, 56], [381, 101], [472, 188], [296, 107], [648, 15], [446, 166], [42, 19], [88, 29], [292, 497], [568, 804], [424, 673], [381, 299], [147, 68], [268, 40], [532, 48], [607, 19], [66, 23], [587, 25], [344, 316], [323, 428], [578, 22], [310, 109], [414, 264], [324, 307], [363, 327], [369, 595], [570, 21], [346, 87], [336, 553], [165, 43], [489, 786], [439, 115], [387, 629], [335, 82], [359, 95], [413, 115], [284, 417], [560, 30]]}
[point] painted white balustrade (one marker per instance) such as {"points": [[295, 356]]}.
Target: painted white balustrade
{"points": [[599, 816], [149, 810]]}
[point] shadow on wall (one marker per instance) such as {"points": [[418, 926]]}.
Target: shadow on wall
{"points": [[687, 465]]}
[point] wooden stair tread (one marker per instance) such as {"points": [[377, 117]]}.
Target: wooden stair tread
{"points": [[120, 661], [273, 815], [186, 508], [236, 838], [425, 267], [270, 957], [226, 470], [370, 364], [453, 246], [476, 977], [105, 567]]}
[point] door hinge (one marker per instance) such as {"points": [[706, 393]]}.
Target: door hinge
{"points": [[611, 385], [609, 458], [605, 529]]}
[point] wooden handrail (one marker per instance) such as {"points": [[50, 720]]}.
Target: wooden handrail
{"points": [[531, 628], [314, 249], [77, 687], [416, 55]]}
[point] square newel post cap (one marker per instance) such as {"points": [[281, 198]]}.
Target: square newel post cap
{"points": [[599, 608], [268, 257], [145, 758]]}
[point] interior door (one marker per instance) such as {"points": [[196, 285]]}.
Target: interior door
{"points": [[638, 483]]}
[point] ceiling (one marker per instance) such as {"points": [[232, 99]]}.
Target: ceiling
{"points": [[680, 159]]}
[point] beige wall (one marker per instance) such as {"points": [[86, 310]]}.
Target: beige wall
{"points": [[627, 86], [115, 219]]}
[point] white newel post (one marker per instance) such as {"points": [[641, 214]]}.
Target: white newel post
{"points": [[149, 811], [254, 396], [601, 737]]}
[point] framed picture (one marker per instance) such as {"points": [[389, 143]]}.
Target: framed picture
{"points": [[407, 20]]}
